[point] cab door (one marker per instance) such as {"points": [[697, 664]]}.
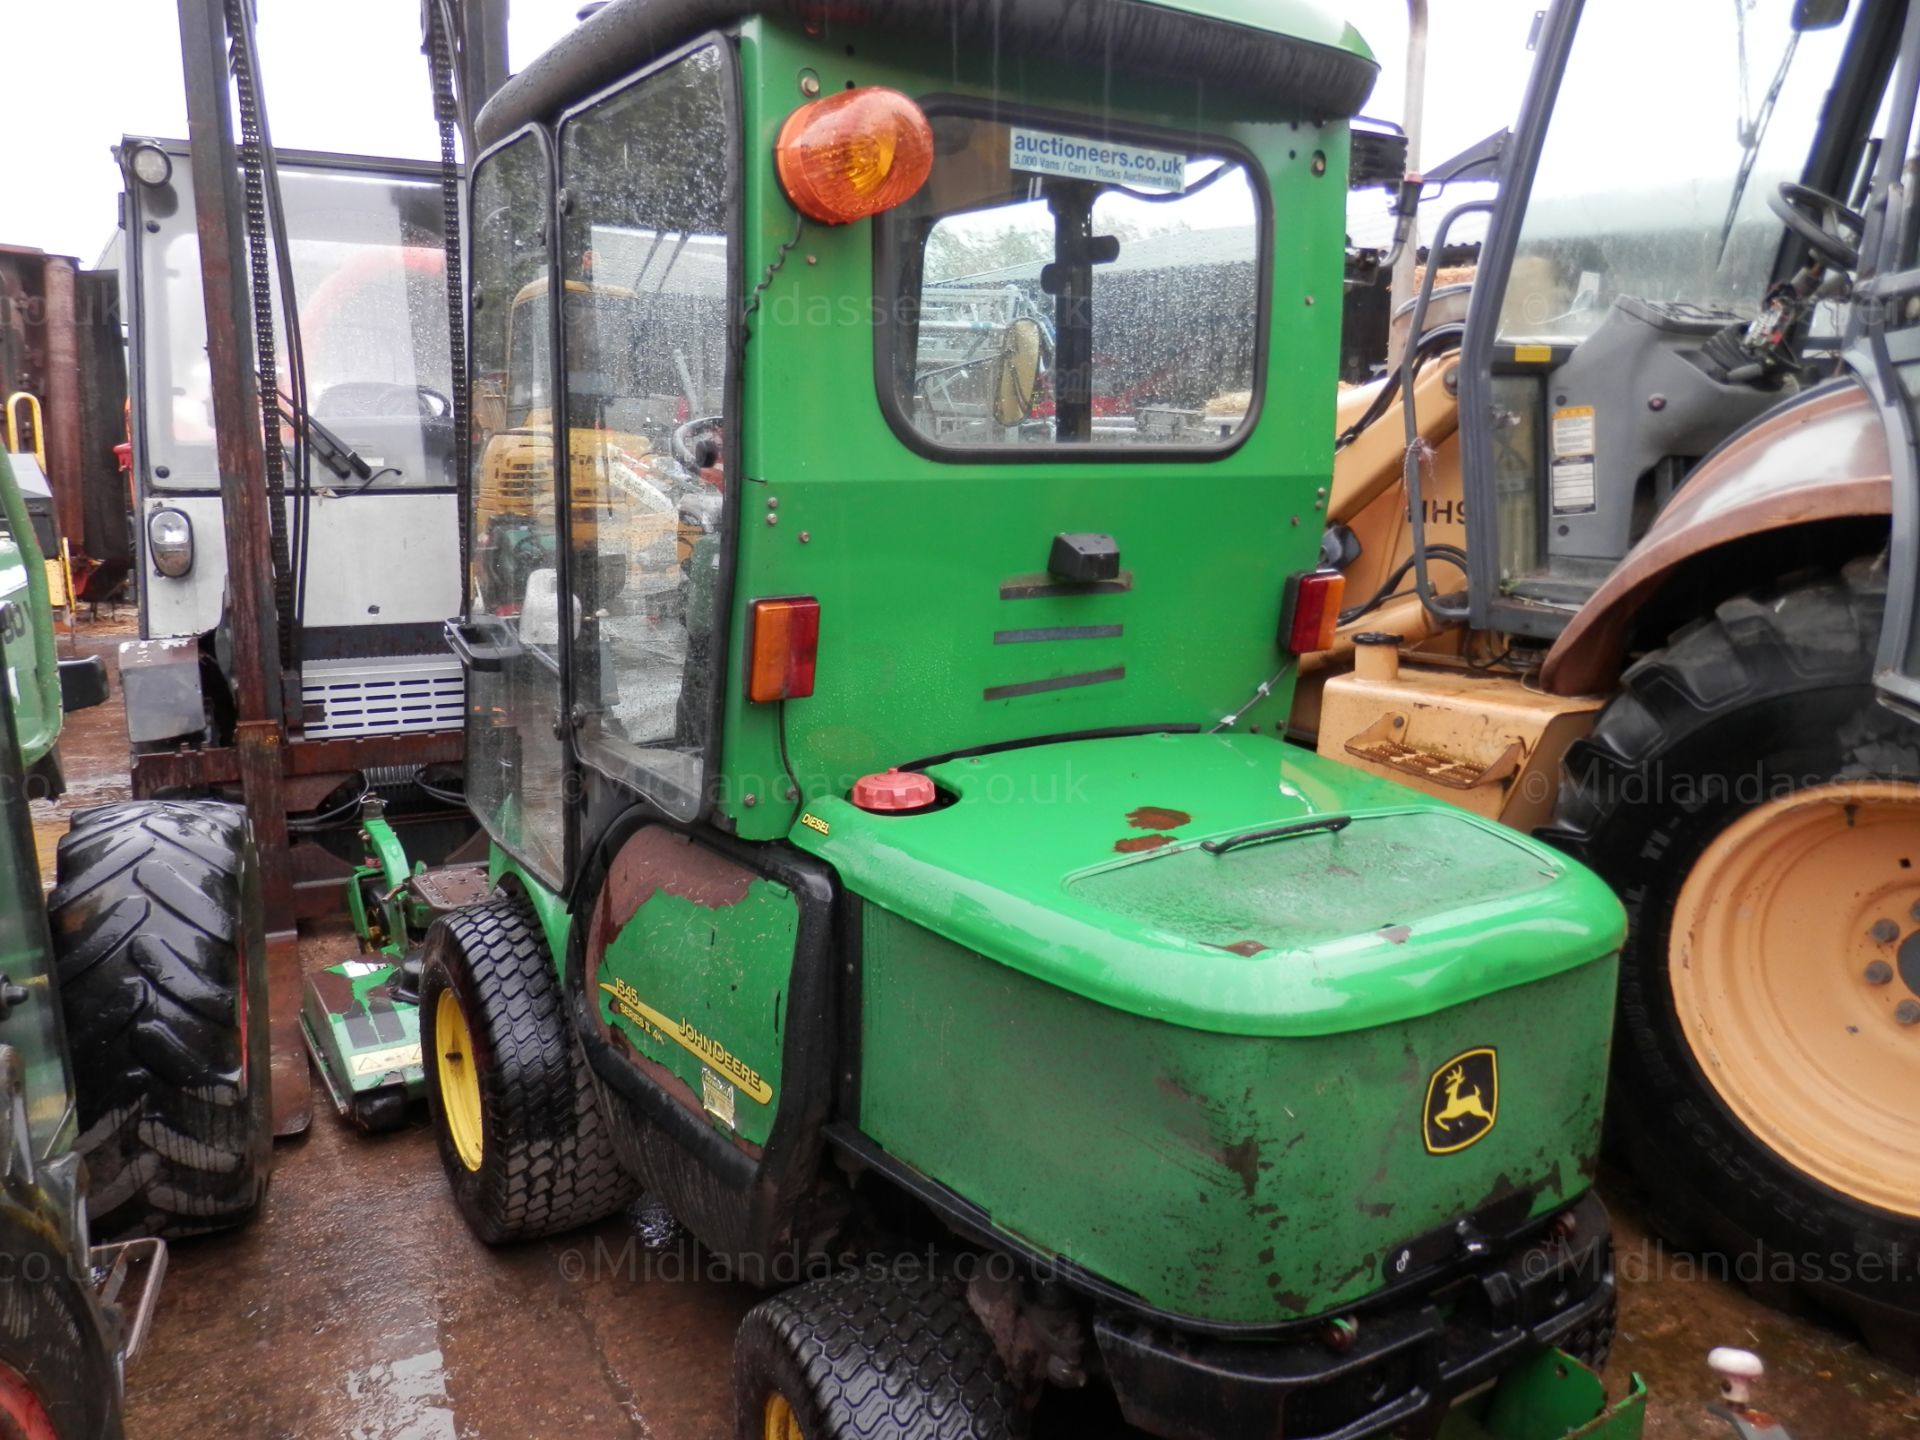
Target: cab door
{"points": [[513, 633], [703, 976], [691, 949]]}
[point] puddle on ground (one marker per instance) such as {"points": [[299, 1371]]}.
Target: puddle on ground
{"points": [[401, 1400]]}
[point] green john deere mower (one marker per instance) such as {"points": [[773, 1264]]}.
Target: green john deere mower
{"points": [[927, 905]]}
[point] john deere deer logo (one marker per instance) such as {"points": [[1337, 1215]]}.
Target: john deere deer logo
{"points": [[1463, 1097]]}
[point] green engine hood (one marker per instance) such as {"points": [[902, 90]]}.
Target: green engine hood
{"points": [[1082, 864]]}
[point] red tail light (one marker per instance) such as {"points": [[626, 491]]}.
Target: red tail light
{"points": [[785, 637], [1311, 611]]}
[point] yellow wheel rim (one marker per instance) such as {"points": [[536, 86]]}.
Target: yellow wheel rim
{"points": [[459, 1080], [1795, 967], [781, 1422]]}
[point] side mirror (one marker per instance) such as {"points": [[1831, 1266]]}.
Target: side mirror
{"points": [[1016, 372], [540, 610], [1818, 14]]}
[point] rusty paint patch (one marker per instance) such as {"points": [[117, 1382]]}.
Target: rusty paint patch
{"points": [[1244, 1160], [1502, 1187], [1363, 1271], [657, 859], [1240, 947], [1289, 1299], [1395, 934], [335, 992], [660, 1075], [1155, 817], [1553, 1181], [1136, 844], [1174, 1090]]}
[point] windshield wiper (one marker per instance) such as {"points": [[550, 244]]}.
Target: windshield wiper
{"points": [[1328, 823], [331, 451], [1753, 133]]}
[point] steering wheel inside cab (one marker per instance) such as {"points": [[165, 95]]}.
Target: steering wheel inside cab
{"points": [[696, 444], [1830, 229]]}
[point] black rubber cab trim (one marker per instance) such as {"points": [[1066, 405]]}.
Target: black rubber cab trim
{"points": [[1128, 36]]}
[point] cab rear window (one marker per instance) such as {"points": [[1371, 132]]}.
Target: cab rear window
{"points": [[1051, 288]]}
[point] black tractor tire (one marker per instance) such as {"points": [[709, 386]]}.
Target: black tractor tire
{"points": [[59, 1365], [862, 1355], [547, 1162], [160, 951], [1770, 693]]}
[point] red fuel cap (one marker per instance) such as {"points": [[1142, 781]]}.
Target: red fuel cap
{"points": [[893, 792]]}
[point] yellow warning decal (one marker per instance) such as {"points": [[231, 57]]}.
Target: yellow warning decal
{"points": [[814, 822], [627, 1002], [379, 1062], [1533, 354]]}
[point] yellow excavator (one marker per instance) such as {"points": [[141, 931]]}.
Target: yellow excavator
{"points": [[626, 521], [1630, 559]]}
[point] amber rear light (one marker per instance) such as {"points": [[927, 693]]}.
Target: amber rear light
{"points": [[1311, 611], [854, 154], [785, 638]]}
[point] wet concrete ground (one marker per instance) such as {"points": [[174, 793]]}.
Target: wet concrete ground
{"points": [[358, 1306], [93, 743]]}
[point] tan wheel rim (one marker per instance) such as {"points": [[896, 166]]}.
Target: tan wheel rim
{"points": [[459, 1080], [1795, 967], [781, 1422]]}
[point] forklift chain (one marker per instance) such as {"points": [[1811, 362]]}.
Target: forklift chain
{"points": [[252, 171], [446, 113]]}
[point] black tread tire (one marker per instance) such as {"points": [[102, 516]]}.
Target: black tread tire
{"points": [[1773, 690], [547, 1160], [155, 916], [862, 1355]]}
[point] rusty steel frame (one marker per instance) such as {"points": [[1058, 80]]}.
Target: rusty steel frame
{"points": [[267, 758], [261, 733], [65, 445], [50, 317], [221, 765]]}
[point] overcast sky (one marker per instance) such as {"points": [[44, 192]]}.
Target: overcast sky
{"points": [[348, 75]]}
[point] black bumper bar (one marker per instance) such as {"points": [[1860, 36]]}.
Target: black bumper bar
{"points": [[1404, 1365]]}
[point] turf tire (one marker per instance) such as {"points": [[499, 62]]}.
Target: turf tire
{"points": [[860, 1356], [547, 1162]]}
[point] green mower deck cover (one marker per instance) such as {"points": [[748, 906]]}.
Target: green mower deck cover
{"points": [[1249, 1083], [365, 1042]]}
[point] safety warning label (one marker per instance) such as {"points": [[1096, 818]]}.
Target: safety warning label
{"points": [[1572, 468]]}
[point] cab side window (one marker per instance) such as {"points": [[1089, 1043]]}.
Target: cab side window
{"points": [[516, 766], [647, 268]]}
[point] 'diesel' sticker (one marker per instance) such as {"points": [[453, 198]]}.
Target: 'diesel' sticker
{"points": [[1572, 470], [1045, 152]]}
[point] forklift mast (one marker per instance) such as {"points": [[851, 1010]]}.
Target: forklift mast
{"points": [[268, 760]]}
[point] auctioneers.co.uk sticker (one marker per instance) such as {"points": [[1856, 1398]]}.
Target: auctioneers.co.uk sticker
{"points": [[1044, 152]]}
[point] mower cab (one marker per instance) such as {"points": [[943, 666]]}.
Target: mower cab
{"points": [[918, 859]]}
